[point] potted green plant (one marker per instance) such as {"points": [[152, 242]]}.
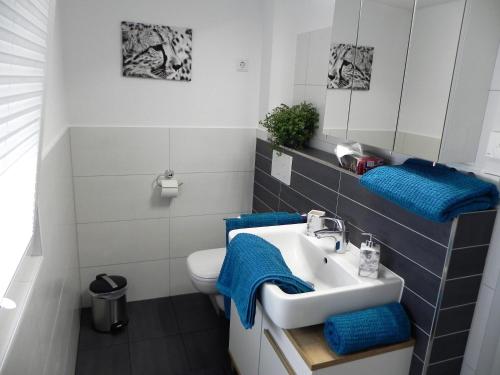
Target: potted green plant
{"points": [[291, 126]]}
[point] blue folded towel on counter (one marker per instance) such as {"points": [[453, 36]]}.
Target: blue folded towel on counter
{"points": [[250, 262], [360, 330], [262, 220], [437, 193]]}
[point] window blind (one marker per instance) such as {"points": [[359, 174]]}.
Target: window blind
{"points": [[23, 45]]}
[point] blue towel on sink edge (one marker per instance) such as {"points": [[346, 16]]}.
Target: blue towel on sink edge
{"points": [[250, 262], [265, 219], [438, 193], [364, 329]]}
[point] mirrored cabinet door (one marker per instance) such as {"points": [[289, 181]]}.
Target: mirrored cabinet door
{"points": [[429, 73], [382, 46], [340, 67]]}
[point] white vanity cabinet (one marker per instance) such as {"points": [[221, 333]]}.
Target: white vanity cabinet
{"points": [[269, 350]]}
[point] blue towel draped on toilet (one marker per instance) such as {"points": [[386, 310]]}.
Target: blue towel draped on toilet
{"points": [[437, 193], [360, 330], [262, 220], [250, 262]]}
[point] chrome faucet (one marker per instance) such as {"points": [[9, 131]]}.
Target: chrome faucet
{"points": [[339, 228]]}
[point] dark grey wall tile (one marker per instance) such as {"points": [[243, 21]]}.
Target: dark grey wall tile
{"points": [[455, 319], [421, 341], [264, 148], [286, 208], [418, 310], [461, 291], [259, 206], [448, 346], [452, 367], [350, 187], [266, 196], [321, 173], [269, 182], [317, 193], [418, 279], [425, 252], [263, 163], [467, 261], [294, 199], [416, 367], [475, 229]]}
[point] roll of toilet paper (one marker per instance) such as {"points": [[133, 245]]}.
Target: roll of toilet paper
{"points": [[169, 188]]}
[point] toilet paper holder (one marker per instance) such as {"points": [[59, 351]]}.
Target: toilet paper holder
{"points": [[167, 175]]}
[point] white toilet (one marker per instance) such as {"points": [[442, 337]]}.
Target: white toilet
{"points": [[204, 268]]}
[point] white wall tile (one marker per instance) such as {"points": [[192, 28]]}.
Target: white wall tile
{"points": [[317, 96], [212, 150], [180, 283], [145, 280], [107, 198], [495, 82], [478, 327], [299, 93], [213, 193], [46, 338], [123, 241], [492, 267], [317, 64], [466, 370], [119, 151], [193, 233]]}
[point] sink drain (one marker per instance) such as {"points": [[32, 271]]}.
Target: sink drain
{"points": [[325, 260]]}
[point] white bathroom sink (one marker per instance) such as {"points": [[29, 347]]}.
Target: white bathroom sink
{"points": [[337, 286]]}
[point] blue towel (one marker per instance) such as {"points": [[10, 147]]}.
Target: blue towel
{"points": [[438, 193], [250, 262], [262, 220], [364, 329]]}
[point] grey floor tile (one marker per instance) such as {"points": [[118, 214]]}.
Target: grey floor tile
{"points": [[207, 350], [113, 360], [195, 312], [151, 319], [163, 356], [91, 339]]}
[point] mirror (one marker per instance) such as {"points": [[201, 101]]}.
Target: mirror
{"points": [[295, 54], [428, 77], [382, 45], [340, 73]]}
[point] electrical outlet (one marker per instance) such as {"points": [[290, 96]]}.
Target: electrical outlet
{"points": [[242, 65], [281, 167]]}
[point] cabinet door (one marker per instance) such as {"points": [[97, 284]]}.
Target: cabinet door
{"points": [[381, 48], [272, 359], [429, 73], [244, 344]]}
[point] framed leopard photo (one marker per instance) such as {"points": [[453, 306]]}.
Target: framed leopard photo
{"points": [[155, 51]]}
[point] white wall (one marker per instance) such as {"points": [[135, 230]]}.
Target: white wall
{"points": [[480, 357], [126, 228], [46, 339], [218, 96]]}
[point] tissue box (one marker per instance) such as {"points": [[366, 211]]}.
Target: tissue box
{"points": [[360, 164]]}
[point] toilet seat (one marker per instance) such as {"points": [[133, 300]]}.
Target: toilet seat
{"points": [[204, 268]]}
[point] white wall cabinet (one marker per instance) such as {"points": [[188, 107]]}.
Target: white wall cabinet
{"points": [[425, 68]]}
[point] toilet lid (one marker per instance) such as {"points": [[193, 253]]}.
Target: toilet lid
{"points": [[206, 264]]}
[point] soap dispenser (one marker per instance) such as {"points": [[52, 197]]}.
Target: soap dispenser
{"points": [[369, 258]]}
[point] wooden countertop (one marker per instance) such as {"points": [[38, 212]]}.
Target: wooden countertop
{"points": [[314, 350]]}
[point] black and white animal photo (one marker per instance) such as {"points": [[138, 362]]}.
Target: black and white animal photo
{"points": [[350, 67], [155, 51]]}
